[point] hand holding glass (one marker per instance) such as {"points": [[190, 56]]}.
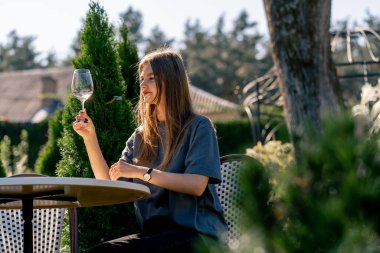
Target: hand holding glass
{"points": [[82, 85]]}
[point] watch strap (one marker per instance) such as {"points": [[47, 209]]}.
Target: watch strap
{"points": [[149, 171]]}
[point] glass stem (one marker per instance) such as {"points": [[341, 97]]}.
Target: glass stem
{"points": [[82, 106]]}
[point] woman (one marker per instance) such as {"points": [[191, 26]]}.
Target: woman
{"points": [[175, 153]]}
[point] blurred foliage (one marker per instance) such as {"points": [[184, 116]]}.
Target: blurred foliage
{"points": [[6, 153], [14, 157], [233, 136], [20, 154], [129, 60], [326, 203], [222, 62], [157, 39], [330, 200], [133, 20], [18, 53], [36, 137], [2, 170], [276, 157]]}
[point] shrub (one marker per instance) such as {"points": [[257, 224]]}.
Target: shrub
{"points": [[329, 201], [49, 154]]}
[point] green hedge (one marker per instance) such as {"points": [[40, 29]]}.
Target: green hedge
{"points": [[37, 136], [234, 137]]}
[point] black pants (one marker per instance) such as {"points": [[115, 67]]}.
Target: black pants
{"points": [[159, 236]]}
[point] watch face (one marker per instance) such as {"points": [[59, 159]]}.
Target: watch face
{"points": [[146, 177]]}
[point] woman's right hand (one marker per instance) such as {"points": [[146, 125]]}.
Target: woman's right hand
{"points": [[84, 126]]}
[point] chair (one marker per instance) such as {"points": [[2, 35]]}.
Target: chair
{"points": [[229, 191], [47, 228]]}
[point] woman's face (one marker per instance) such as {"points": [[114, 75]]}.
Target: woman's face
{"points": [[148, 87]]}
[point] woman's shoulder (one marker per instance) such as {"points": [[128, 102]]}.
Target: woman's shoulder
{"points": [[201, 120], [135, 135]]}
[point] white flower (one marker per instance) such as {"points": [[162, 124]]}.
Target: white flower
{"points": [[368, 94], [367, 112], [376, 125], [360, 110], [375, 110]]}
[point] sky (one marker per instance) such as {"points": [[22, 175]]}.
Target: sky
{"points": [[55, 23]]}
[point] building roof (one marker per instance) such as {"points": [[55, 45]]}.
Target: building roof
{"points": [[24, 93], [32, 95]]}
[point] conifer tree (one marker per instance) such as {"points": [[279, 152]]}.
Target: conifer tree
{"points": [[114, 123], [129, 60], [49, 155]]}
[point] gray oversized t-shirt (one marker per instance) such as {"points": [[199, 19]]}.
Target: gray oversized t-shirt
{"points": [[197, 154]]}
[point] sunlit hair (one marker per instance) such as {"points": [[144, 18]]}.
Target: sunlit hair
{"points": [[171, 78]]}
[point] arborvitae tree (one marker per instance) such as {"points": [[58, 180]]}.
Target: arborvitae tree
{"points": [[129, 60], [114, 123], [49, 154]]}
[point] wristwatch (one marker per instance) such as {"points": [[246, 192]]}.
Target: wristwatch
{"points": [[147, 175]]}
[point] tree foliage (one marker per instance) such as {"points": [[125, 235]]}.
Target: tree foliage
{"points": [[133, 20], [156, 40], [127, 51], [49, 154], [14, 157], [113, 121], [326, 203], [6, 153], [218, 61], [2, 170], [222, 61], [18, 53], [330, 200]]}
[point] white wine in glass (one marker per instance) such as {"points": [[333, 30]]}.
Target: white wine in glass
{"points": [[82, 85]]}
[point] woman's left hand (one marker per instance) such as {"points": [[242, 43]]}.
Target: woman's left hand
{"points": [[123, 169]]}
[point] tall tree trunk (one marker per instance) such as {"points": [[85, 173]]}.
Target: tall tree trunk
{"points": [[300, 41]]}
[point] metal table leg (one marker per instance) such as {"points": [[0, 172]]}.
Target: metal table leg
{"points": [[27, 212]]}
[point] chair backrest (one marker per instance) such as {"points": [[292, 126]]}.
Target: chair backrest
{"points": [[229, 191], [47, 228]]}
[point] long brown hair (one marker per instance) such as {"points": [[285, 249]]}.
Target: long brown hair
{"points": [[171, 78]]}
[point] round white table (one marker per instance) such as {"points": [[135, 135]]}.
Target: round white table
{"points": [[27, 193]]}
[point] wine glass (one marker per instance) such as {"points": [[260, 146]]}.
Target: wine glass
{"points": [[82, 85]]}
